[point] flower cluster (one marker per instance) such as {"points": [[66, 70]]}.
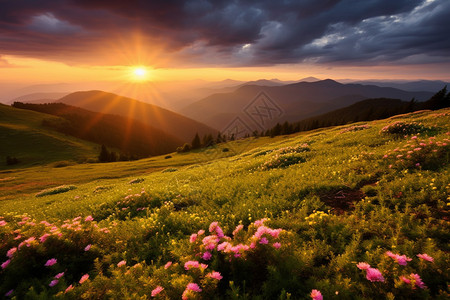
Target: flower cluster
{"points": [[282, 161], [404, 128], [294, 149], [316, 217], [418, 153], [355, 128]]}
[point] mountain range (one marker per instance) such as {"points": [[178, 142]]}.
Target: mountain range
{"points": [[291, 102]]}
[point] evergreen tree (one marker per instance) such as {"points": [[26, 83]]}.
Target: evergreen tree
{"points": [[196, 144], [104, 154]]}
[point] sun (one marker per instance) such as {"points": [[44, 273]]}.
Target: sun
{"points": [[139, 73]]}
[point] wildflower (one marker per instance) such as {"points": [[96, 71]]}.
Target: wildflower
{"points": [[121, 263], [225, 246], [414, 280], [264, 241], [400, 259], [374, 275], [363, 266], [277, 245], [87, 247], [5, 264], [51, 262], [212, 226], [9, 293], [193, 287], [405, 280], [84, 278], [192, 238], [11, 252], [44, 237], [53, 283], [3, 223], [157, 290], [194, 264], [207, 255], [167, 265], [69, 288], [200, 232], [316, 295], [259, 223], [237, 229], [210, 242], [89, 219], [425, 257], [214, 275], [59, 275]]}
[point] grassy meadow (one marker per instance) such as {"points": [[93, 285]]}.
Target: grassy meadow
{"points": [[359, 211]]}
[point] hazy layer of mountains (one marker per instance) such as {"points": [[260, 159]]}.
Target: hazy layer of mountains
{"points": [[291, 102]]}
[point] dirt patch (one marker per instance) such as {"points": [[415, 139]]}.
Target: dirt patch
{"points": [[342, 200]]}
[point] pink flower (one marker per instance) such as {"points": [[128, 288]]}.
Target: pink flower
{"points": [[69, 288], [59, 275], [207, 255], [192, 238], [277, 245], [405, 280], [5, 264], [200, 232], [259, 223], [417, 280], [89, 219], [374, 275], [53, 282], [212, 226], [121, 263], [264, 241], [425, 257], [400, 259], [363, 266], [167, 265], [3, 223], [194, 264], [157, 290], [88, 247], [51, 262], [210, 242], [237, 229], [44, 237], [316, 295], [193, 287], [9, 293], [11, 252], [84, 278], [215, 275]]}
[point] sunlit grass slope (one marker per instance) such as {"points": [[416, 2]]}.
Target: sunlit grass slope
{"points": [[23, 136], [339, 196]]}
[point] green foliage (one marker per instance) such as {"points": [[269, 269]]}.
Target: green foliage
{"points": [[56, 190], [339, 200]]}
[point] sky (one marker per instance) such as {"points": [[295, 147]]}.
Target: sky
{"points": [[81, 40]]}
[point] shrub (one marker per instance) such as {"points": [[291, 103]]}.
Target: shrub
{"points": [[282, 161], [56, 190], [404, 128]]}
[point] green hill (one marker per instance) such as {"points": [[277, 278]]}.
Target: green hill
{"points": [[130, 136], [23, 136], [355, 211]]}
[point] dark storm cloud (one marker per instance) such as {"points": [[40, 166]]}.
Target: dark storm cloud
{"points": [[231, 32]]}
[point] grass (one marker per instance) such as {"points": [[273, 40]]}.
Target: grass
{"points": [[24, 137], [338, 203]]}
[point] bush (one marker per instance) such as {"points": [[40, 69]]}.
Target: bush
{"points": [[403, 128], [56, 190]]}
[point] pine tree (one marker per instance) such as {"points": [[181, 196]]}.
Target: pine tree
{"points": [[196, 144]]}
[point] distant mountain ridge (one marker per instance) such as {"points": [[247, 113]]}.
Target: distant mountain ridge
{"points": [[297, 101], [170, 122]]}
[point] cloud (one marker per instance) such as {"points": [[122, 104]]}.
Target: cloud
{"points": [[5, 64], [233, 33]]}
